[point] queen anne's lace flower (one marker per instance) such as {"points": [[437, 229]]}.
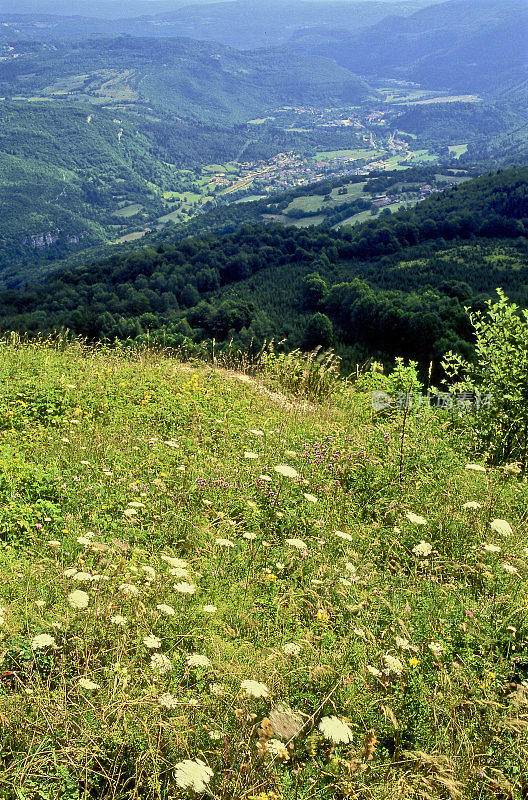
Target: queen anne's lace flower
{"points": [[82, 577], [197, 660], [393, 665], [423, 549], [174, 562], [168, 610], [415, 518], [185, 587], [286, 471], [335, 731], [152, 642], [179, 573], [310, 497], [193, 775], [436, 649], [298, 543], [78, 599], [129, 590], [291, 649], [42, 641], [160, 663], [472, 504], [117, 619], [502, 527], [491, 548], [167, 701], [255, 689], [86, 683], [346, 536]]}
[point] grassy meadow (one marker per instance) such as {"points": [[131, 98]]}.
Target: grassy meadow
{"points": [[233, 585]]}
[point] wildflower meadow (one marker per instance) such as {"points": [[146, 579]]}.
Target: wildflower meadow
{"points": [[211, 588]]}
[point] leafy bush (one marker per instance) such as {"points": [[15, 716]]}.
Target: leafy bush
{"points": [[499, 380]]}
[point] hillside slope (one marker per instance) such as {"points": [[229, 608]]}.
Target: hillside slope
{"points": [[393, 286], [245, 25], [194, 569], [190, 78], [458, 45]]}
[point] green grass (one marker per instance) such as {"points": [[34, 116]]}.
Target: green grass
{"points": [[327, 155], [129, 211], [112, 465], [311, 202], [131, 237], [458, 149]]}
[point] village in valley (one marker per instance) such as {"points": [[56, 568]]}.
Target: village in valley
{"points": [[376, 145]]}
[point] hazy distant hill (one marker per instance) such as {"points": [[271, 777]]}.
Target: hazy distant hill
{"points": [[244, 24], [190, 78], [461, 45]]}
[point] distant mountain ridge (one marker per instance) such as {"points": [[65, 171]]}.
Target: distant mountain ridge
{"points": [[244, 25], [459, 45], [196, 79]]}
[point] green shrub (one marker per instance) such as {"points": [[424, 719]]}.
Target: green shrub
{"points": [[499, 379]]}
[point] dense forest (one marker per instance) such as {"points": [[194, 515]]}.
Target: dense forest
{"points": [[394, 286]]}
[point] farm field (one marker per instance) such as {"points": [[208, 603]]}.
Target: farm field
{"points": [[458, 149], [129, 211]]}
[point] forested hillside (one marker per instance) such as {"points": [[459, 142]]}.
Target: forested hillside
{"points": [[247, 25], [459, 45], [191, 78], [395, 286]]}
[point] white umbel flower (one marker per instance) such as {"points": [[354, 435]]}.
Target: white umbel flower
{"points": [[393, 665], [78, 599], [180, 573], [472, 504], [165, 609], [160, 663], [86, 683], [291, 649], [152, 642], [422, 549], [345, 536], [42, 641], [415, 518], [185, 588], [193, 775], [224, 543], [129, 590], [297, 543], [335, 731], [286, 471], [310, 497], [436, 648], [118, 619], [255, 689], [475, 468], [197, 660], [167, 701], [82, 577], [501, 526], [174, 562]]}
